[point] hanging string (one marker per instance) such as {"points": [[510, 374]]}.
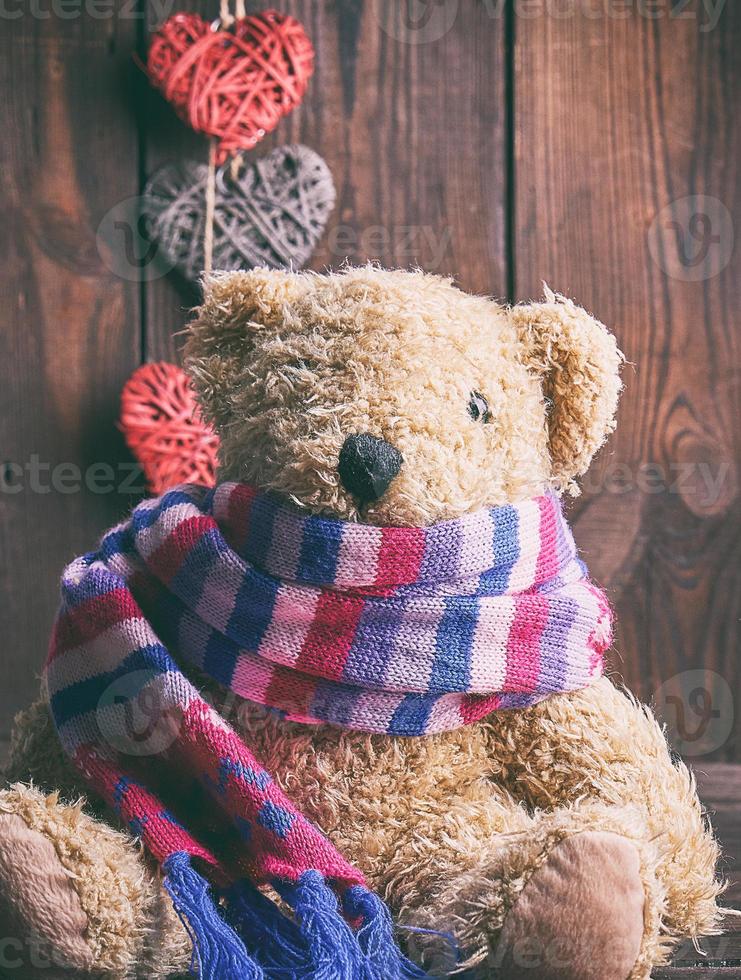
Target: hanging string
{"points": [[226, 20], [240, 13], [235, 167], [208, 238], [226, 17]]}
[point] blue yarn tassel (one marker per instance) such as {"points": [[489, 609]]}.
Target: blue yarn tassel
{"points": [[267, 932], [220, 953], [382, 957], [319, 944], [334, 952]]}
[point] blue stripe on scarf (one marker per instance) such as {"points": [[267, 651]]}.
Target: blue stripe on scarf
{"points": [[260, 530], [192, 575], [451, 670], [410, 718], [505, 539], [253, 609], [117, 543], [320, 550], [255, 601], [144, 517], [84, 696], [334, 704], [514, 699], [373, 643], [438, 541], [561, 616], [220, 658], [96, 582]]}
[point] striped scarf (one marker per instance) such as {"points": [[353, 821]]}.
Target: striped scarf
{"points": [[404, 631]]}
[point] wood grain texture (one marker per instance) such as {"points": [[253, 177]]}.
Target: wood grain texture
{"points": [[617, 120], [715, 952], [414, 134], [720, 957], [719, 786], [699, 973], [598, 125], [70, 326]]}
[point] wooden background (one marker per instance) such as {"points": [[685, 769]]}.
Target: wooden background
{"points": [[503, 142]]}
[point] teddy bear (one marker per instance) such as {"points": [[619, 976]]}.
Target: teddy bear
{"points": [[541, 831]]}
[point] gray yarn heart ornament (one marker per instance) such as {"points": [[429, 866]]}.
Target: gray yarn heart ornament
{"points": [[270, 213]]}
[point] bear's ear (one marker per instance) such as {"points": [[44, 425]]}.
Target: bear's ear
{"points": [[578, 362], [236, 307]]}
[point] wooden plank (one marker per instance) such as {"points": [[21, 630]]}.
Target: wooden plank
{"points": [[412, 126], [70, 328], [618, 120], [719, 786], [698, 973], [721, 954], [164, 137]]}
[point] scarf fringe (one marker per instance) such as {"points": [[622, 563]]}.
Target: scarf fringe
{"points": [[267, 932], [376, 936], [332, 945], [220, 953], [319, 944]]}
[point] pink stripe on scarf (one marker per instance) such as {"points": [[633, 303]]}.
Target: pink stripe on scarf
{"points": [[359, 550], [168, 557], [474, 707], [85, 622], [286, 634], [331, 634], [548, 559], [240, 507], [400, 557], [523, 646], [163, 836], [290, 692]]}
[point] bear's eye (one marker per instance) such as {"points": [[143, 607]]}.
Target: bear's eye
{"points": [[478, 407]]}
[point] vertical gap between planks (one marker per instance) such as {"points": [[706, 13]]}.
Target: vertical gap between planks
{"points": [[509, 149], [141, 166]]}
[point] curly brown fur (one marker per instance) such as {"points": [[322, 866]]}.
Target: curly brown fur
{"points": [[130, 925], [601, 744], [579, 362], [453, 827], [288, 365]]}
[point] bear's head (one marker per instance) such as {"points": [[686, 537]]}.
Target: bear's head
{"points": [[392, 397]]}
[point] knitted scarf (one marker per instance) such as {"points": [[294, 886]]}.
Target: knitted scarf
{"points": [[404, 631]]}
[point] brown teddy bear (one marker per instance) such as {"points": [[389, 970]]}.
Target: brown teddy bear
{"points": [[552, 838]]}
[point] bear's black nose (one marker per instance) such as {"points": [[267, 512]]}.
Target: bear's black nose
{"points": [[368, 465]]}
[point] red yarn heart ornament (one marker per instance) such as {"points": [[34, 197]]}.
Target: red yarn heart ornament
{"points": [[233, 85], [164, 429]]}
